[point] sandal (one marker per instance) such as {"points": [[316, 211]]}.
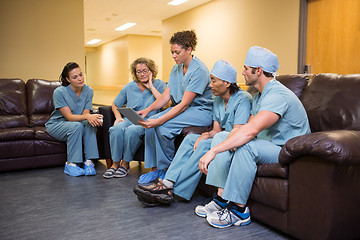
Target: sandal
{"points": [[152, 199], [158, 187], [121, 172], [109, 173]]}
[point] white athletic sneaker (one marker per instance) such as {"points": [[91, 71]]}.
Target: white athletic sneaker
{"points": [[212, 205], [228, 217]]}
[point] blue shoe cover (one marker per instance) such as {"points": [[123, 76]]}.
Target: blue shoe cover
{"points": [[74, 171], [151, 176], [89, 168]]}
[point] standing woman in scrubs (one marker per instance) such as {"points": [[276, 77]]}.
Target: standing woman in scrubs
{"points": [[72, 122], [125, 137], [188, 89]]}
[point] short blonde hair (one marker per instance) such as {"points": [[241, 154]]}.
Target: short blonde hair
{"points": [[148, 62]]}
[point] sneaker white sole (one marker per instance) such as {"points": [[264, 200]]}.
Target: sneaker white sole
{"points": [[237, 223], [203, 215]]}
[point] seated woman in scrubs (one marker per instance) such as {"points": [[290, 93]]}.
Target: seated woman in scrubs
{"points": [[231, 109], [125, 137], [188, 89], [72, 122]]}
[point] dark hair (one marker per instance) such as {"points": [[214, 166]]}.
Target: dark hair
{"points": [[267, 74], [148, 62], [65, 72], [233, 88], [185, 39]]}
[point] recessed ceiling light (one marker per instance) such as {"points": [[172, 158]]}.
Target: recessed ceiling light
{"points": [[177, 2], [125, 26], [93, 41]]}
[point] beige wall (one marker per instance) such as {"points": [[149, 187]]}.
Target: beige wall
{"points": [[108, 66], [227, 28], [38, 37], [146, 46]]}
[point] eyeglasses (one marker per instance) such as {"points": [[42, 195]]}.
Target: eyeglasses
{"points": [[145, 71]]}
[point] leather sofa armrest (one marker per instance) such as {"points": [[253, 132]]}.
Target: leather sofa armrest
{"points": [[339, 146], [108, 121]]}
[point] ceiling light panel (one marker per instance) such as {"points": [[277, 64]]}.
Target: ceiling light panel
{"points": [[93, 41], [125, 26], [177, 2]]}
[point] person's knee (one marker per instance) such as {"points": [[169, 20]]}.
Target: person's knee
{"points": [[218, 138], [76, 127], [203, 144], [191, 138], [116, 130], [134, 131]]}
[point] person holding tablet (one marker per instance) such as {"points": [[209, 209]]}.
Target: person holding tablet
{"points": [[188, 89], [125, 137]]}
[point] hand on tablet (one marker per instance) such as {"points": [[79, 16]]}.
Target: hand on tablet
{"points": [[150, 123], [143, 112]]}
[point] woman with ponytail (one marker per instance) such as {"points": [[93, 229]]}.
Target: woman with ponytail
{"points": [[72, 122]]}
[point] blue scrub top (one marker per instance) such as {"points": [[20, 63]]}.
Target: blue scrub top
{"points": [[196, 79], [237, 111], [133, 97], [293, 118], [64, 96]]}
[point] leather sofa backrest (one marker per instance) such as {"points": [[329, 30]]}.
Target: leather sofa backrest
{"points": [[332, 102], [295, 82], [13, 109], [40, 101]]}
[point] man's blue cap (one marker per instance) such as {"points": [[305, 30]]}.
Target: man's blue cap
{"points": [[262, 57], [225, 71]]}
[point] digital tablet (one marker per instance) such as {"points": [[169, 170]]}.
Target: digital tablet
{"points": [[130, 114]]}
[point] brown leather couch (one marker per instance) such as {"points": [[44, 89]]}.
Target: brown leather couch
{"points": [[314, 192], [24, 110]]}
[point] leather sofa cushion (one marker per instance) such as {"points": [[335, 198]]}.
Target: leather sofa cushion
{"points": [[40, 101], [270, 186], [17, 149], [16, 134], [13, 110], [295, 82], [271, 192], [332, 103]]}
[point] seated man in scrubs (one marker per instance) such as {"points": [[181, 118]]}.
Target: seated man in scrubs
{"points": [[277, 116], [231, 109]]}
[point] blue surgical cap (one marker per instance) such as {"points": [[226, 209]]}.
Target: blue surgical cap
{"points": [[262, 57], [225, 71]]}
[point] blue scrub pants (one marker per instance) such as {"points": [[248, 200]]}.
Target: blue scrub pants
{"points": [[125, 139], [184, 169], [159, 141], [235, 171], [75, 134]]}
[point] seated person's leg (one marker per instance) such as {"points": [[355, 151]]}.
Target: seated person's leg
{"points": [[116, 138], [240, 179]]}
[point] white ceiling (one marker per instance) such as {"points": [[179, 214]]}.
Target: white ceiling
{"points": [[101, 17]]}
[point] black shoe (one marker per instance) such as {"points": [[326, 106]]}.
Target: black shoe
{"points": [[160, 198]]}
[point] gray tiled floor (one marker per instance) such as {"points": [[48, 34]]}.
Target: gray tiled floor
{"points": [[47, 204]]}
